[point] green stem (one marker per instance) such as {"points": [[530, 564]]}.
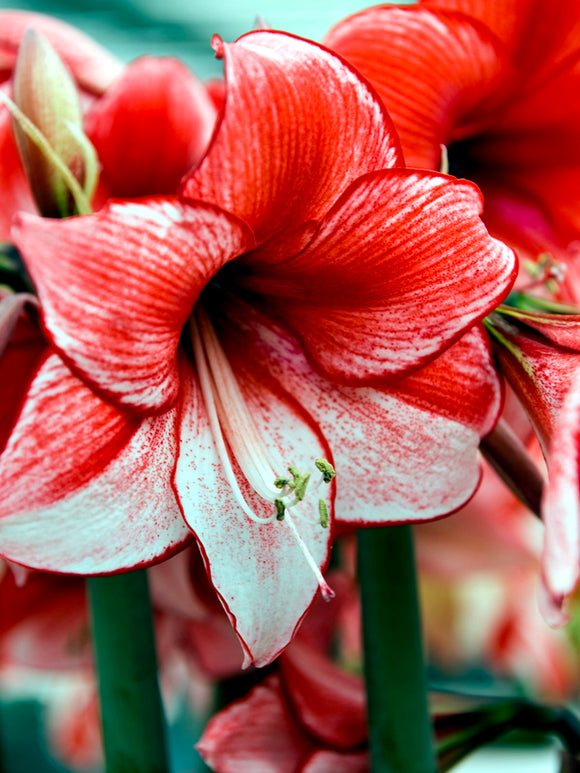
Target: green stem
{"points": [[399, 723], [132, 714]]}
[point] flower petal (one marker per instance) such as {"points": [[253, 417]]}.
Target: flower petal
{"points": [[84, 488], [296, 119], [404, 453], [561, 503], [538, 371], [433, 74], [92, 66], [329, 761], [399, 268], [151, 127], [117, 287], [15, 192], [21, 347], [255, 733], [329, 702], [259, 571]]}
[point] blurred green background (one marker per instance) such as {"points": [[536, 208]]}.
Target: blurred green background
{"points": [[184, 28]]}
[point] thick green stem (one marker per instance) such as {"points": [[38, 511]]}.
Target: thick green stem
{"points": [[399, 723], [131, 710]]}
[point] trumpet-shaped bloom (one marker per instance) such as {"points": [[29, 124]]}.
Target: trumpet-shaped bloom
{"points": [[496, 83], [214, 353]]}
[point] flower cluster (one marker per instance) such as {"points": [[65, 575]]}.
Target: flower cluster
{"points": [[237, 323]]}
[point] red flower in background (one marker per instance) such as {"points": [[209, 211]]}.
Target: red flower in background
{"points": [[497, 84], [150, 121]]}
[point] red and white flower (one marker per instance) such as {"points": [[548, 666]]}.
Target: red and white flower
{"points": [[306, 298]]}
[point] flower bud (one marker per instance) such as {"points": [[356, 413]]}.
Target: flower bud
{"points": [[51, 141]]}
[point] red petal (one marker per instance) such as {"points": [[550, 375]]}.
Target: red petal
{"points": [[117, 287], [21, 346], [508, 90], [538, 35], [400, 267], [298, 126], [51, 627], [405, 453], [91, 65], [561, 329], [434, 75], [261, 575], [151, 127], [255, 733], [327, 761], [331, 703], [83, 488], [15, 192]]}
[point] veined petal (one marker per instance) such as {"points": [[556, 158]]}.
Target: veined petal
{"points": [[538, 35], [258, 569], [151, 127], [93, 67], [296, 118], [561, 503], [117, 287], [399, 268], [432, 69], [406, 453], [84, 488], [562, 329]]}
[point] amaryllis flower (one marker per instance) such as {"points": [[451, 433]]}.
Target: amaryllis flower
{"points": [[215, 353], [496, 82], [149, 122]]}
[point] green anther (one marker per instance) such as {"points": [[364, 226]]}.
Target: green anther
{"points": [[326, 469], [323, 511], [294, 471], [300, 485], [281, 482], [280, 509]]}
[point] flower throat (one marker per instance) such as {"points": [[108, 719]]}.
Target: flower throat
{"points": [[232, 427]]}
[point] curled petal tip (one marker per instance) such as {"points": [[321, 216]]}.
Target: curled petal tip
{"points": [[218, 46]]}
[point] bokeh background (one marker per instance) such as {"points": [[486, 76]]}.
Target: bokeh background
{"points": [[184, 28]]}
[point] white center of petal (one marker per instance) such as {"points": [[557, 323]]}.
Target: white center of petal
{"points": [[234, 432]]}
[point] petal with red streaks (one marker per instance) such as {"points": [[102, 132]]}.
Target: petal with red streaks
{"points": [[299, 125], [117, 287], [397, 271], [86, 489], [405, 453]]}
